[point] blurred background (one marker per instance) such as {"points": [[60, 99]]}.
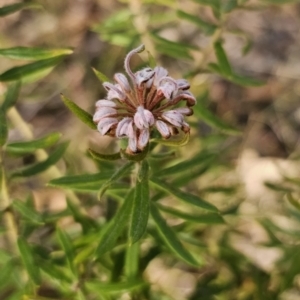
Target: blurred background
{"points": [[253, 129]]}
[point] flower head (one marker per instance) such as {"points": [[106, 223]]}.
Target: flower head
{"points": [[151, 100]]}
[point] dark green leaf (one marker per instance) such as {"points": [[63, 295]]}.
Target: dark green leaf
{"points": [[34, 53], [201, 158], [222, 59], [9, 9], [207, 28], [99, 156], [208, 117], [135, 156], [179, 141], [228, 5], [114, 288], [3, 128], [209, 218], [140, 208], [12, 95], [186, 197], [111, 232], [67, 246], [31, 146], [132, 261], [100, 76], [43, 165], [28, 261], [117, 175], [18, 73], [84, 116], [293, 202], [27, 212], [170, 237]]}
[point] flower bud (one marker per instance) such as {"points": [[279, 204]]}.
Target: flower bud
{"points": [[114, 91], [122, 80], [143, 118], [160, 73], [143, 139], [173, 117], [143, 76], [104, 112], [105, 125], [122, 128], [105, 103], [168, 87], [163, 129]]}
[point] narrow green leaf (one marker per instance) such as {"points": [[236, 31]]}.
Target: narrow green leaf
{"points": [[9, 9], [28, 261], [170, 237], [222, 59], [293, 202], [245, 81], [27, 212], [84, 116], [111, 232], [43, 165], [31, 146], [34, 53], [3, 128], [215, 4], [176, 142], [67, 246], [209, 218], [278, 187], [180, 195], [18, 73], [208, 117], [12, 95], [100, 76], [228, 5], [132, 261], [99, 156], [201, 158], [117, 175], [207, 28], [140, 208], [114, 288]]}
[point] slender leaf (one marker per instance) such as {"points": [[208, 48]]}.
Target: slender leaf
{"points": [[31, 146], [222, 59], [209, 218], [180, 195], [9, 9], [208, 117], [140, 208], [84, 116], [18, 73], [207, 28], [182, 141], [27, 212], [28, 261], [114, 288], [293, 201], [67, 246], [100, 75], [34, 53], [115, 176], [12, 95], [114, 228], [170, 237], [43, 165], [3, 128], [132, 261], [99, 156], [135, 156]]}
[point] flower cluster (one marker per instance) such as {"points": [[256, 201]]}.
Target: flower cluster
{"points": [[151, 100]]}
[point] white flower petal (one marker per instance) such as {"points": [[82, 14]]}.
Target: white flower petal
{"points": [[160, 72], [122, 128], [182, 84], [104, 112], [143, 76], [132, 144], [122, 80], [114, 91], [143, 118], [143, 139], [168, 87], [105, 124], [186, 111], [163, 129], [105, 103], [173, 117]]}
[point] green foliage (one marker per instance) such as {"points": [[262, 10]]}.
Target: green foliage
{"points": [[59, 241]]}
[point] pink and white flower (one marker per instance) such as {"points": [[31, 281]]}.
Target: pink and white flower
{"points": [[151, 100]]}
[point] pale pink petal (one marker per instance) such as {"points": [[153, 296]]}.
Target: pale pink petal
{"points": [[143, 139], [143, 76], [131, 132], [182, 84], [122, 128], [186, 111], [160, 72], [122, 80], [104, 112], [105, 124], [173, 117], [105, 103], [187, 95], [168, 87], [114, 91], [163, 128], [143, 118]]}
